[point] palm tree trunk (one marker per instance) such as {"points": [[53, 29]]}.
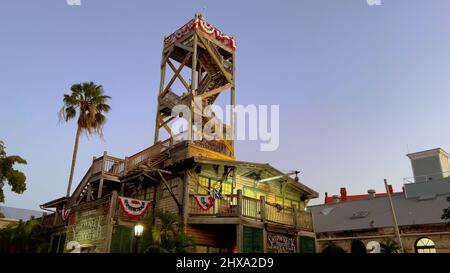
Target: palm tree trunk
{"points": [[74, 159]]}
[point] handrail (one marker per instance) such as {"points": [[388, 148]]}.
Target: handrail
{"points": [[426, 177], [256, 209]]}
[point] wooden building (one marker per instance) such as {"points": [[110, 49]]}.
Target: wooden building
{"points": [[258, 208]]}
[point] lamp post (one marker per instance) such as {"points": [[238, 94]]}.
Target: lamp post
{"points": [[138, 230]]}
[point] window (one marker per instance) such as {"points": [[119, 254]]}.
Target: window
{"points": [[206, 184], [253, 193], [210, 249], [425, 245]]}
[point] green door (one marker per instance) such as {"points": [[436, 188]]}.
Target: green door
{"points": [[306, 244], [122, 239], [253, 240]]}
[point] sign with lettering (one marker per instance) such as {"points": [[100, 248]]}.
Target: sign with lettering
{"points": [[281, 243], [89, 227]]}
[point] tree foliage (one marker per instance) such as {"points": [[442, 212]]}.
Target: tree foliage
{"points": [[166, 235], [24, 237], [331, 247], [14, 178], [389, 246], [89, 102]]}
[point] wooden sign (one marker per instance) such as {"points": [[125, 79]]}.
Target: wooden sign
{"points": [[281, 243]]}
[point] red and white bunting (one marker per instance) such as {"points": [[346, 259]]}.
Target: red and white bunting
{"points": [[134, 208], [204, 202], [65, 213]]}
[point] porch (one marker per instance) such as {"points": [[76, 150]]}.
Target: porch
{"points": [[236, 207]]}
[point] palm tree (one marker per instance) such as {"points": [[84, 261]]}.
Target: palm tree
{"points": [[88, 101], [167, 236], [389, 246]]}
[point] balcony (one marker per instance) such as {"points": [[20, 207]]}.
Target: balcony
{"points": [[237, 205]]}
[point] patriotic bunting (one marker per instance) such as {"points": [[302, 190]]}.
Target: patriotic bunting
{"points": [[134, 208], [204, 202], [65, 213], [201, 24]]}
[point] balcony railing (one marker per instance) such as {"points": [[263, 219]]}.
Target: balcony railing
{"points": [[237, 205], [426, 177], [52, 220]]}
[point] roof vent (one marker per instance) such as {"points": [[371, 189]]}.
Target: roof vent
{"points": [[359, 214], [335, 198], [371, 193]]}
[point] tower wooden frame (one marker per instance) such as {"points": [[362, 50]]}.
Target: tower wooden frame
{"points": [[209, 57]]}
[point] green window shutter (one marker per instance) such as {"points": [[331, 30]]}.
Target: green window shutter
{"points": [[62, 243], [253, 241], [306, 245], [55, 242], [257, 241], [121, 240]]}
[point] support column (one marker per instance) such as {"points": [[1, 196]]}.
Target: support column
{"points": [[110, 220], [161, 88], [100, 184], [240, 238], [193, 89], [187, 181]]}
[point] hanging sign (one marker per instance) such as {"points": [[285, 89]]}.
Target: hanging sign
{"points": [[281, 242], [204, 202], [134, 208]]}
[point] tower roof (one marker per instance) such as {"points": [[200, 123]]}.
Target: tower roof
{"points": [[199, 22]]}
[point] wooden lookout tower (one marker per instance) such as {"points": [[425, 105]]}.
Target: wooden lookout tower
{"points": [[197, 67]]}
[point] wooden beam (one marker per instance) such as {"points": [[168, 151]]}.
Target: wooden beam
{"points": [[176, 73], [180, 206], [187, 48], [215, 91], [219, 63], [186, 85]]}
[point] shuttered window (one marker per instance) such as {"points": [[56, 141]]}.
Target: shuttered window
{"points": [[122, 239], [253, 240]]}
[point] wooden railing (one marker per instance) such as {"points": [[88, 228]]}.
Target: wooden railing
{"points": [[221, 207], [238, 205], [52, 220], [144, 156], [108, 164]]}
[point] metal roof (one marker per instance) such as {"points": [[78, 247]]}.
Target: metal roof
{"points": [[376, 213]]}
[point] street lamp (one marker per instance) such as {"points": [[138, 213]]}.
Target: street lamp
{"points": [[138, 230]]}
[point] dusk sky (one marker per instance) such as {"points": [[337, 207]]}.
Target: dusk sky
{"points": [[358, 86]]}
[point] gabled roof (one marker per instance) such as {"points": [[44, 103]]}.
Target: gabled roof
{"points": [[376, 213], [268, 171]]}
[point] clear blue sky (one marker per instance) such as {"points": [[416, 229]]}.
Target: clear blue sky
{"points": [[358, 86]]}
